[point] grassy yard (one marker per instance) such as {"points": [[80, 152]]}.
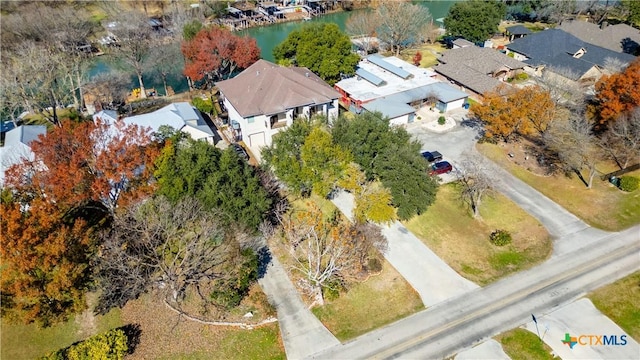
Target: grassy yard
{"points": [[603, 206], [521, 344], [454, 235], [620, 302], [378, 301], [428, 51], [167, 336], [30, 341], [302, 204]]}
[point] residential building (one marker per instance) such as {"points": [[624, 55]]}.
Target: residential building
{"points": [[180, 116], [618, 38], [266, 98], [517, 31], [396, 89], [477, 70], [17, 146], [565, 55]]}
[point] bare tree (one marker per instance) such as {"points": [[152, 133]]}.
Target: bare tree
{"points": [[324, 250], [563, 91], [576, 146], [134, 40], [614, 65], [165, 60], [473, 176], [171, 248], [362, 25], [401, 22], [622, 139], [109, 89]]}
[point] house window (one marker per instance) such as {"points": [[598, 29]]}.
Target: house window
{"points": [[251, 119]]}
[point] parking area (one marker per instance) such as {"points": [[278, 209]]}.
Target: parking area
{"points": [[453, 139]]}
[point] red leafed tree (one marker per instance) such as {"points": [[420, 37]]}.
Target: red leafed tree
{"points": [[79, 164], [417, 58], [216, 53], [618, 93], [80, 174], [44, 262]]}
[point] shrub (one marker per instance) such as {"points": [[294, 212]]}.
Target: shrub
{"points": [[112, 344], [442, 120], [522, 76], [500, 238], [206, 106], [629, 183], [331, 290]]}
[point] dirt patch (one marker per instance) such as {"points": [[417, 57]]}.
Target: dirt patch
{"points": [[86, 321], [528, 155]]}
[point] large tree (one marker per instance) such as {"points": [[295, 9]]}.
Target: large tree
{"points": [[320, 47], [178, 249], [401, 23], [388, 154], [622, 139], [475, 20], [218, 179], [508, 112], [45, 260], [618, 93], [215, 54]]}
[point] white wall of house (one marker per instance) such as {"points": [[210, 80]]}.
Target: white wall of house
{"points": [[457, 104], [518, 56], [400, 120], [198, 134]]}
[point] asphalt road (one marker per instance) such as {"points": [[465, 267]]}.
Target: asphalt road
{"points": [[464, 321]]}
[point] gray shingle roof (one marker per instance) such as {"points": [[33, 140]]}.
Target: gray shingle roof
{"points": [[610, 37], [518, 30], [555, 48], [265, 88], [468, 77]]}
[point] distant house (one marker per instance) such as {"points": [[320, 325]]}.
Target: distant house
{"points": [[565, 55], [17, 146], [618, 38], [266, 98], [396, 88], [460, 43], [517, 32], [180, 116], [477, 69]]}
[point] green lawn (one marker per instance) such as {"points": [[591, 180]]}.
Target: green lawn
{"points": [[448, 229], [30, 341], [521, 344], [603, 206], [262, 343], [378, 301], [620, 302]]}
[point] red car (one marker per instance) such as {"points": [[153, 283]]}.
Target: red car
{"points": [[441, 167]]}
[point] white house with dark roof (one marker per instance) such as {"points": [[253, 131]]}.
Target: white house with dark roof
{"points": [[396, 89], [17, 146], [265, 98], [477, 70], [180, 116]]}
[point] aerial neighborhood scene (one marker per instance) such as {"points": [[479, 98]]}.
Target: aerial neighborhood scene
{"points": [[320, 179]]}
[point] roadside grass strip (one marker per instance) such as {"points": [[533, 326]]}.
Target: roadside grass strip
{"points": [[620, 302], [603, 206], [450, 231], [521, 344], [378, 301]]}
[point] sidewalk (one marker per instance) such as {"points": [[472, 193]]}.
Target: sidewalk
{"points": [[302, 333], [431, 277]]}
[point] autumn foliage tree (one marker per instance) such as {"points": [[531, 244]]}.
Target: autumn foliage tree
{"points": [[507, 112], [80, 174], [216, 53], [618, 93]]}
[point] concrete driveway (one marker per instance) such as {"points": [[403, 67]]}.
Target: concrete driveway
{"points": [[429, 275]]}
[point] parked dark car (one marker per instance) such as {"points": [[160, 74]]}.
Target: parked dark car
{"points": [[441, 167], [432, 156], [242, 153]]}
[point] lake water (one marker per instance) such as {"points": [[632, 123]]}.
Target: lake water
{"points": [[267, 38]]}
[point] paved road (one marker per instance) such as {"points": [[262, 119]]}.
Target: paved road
{"points": [[430, 276], [302, 333], [459, 323]]}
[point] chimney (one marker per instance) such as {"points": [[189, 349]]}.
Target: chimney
{"points": [[603, 25], [306, 74], [257, 73]]}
